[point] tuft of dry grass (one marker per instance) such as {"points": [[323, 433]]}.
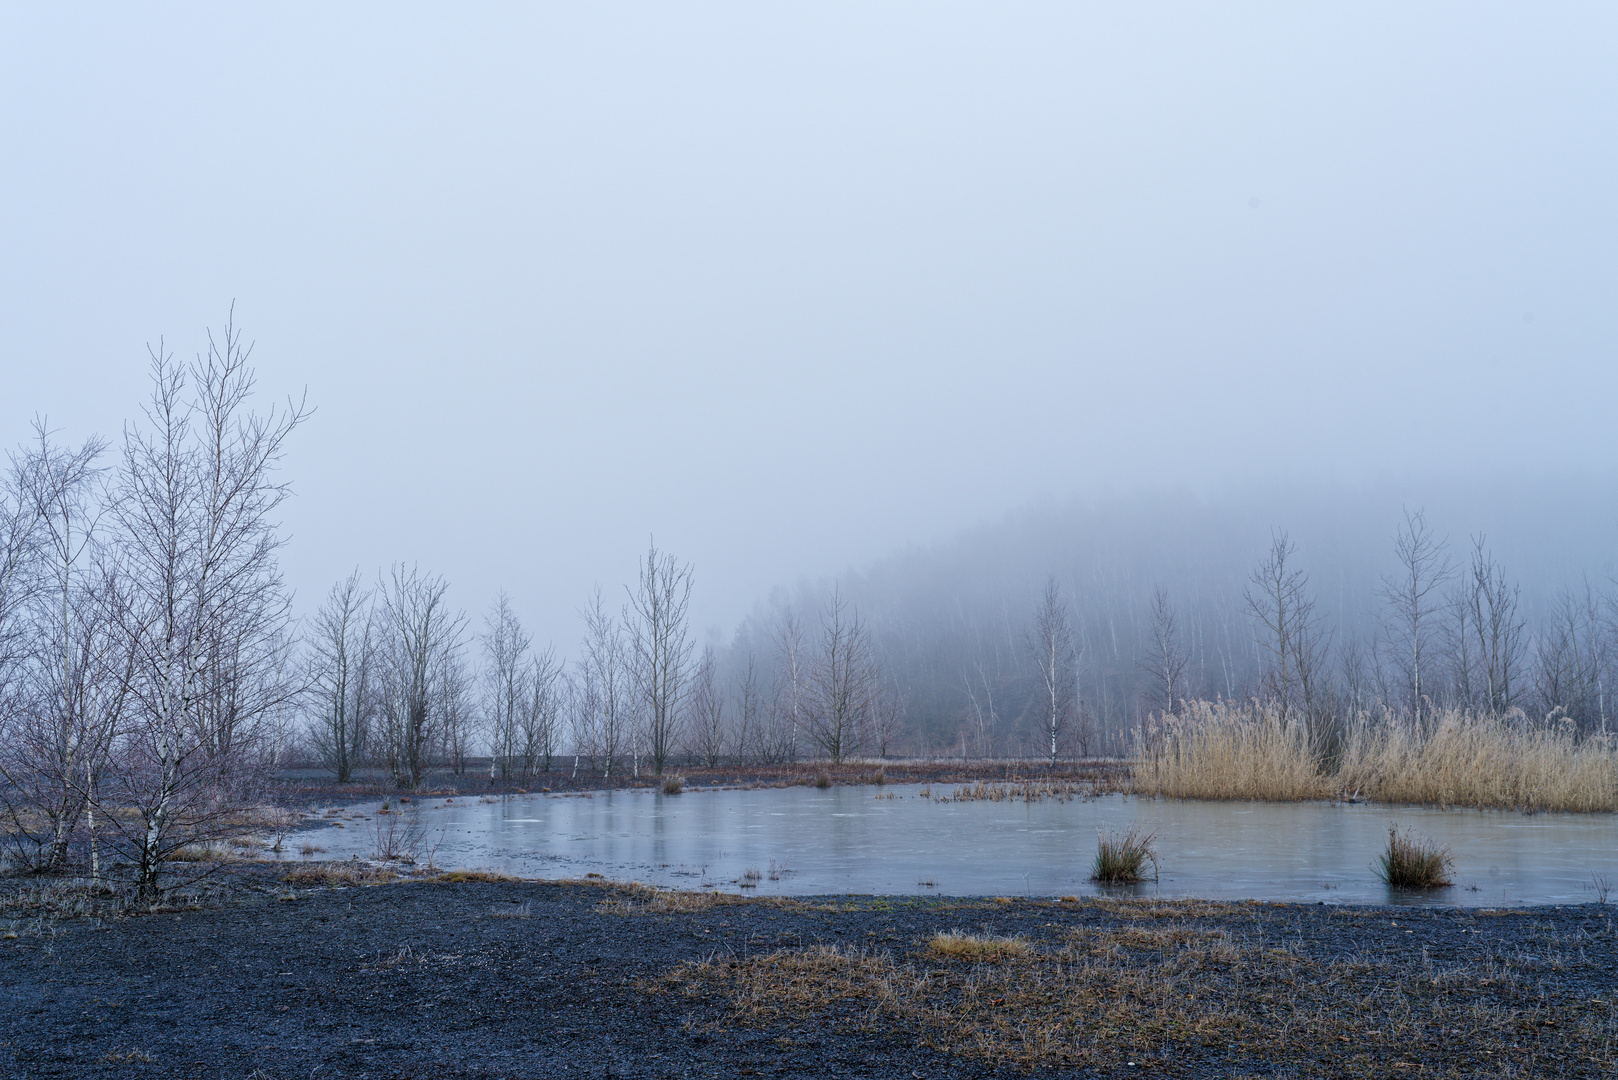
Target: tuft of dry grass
{"points": [[638, 899], [984, 948], [1121, 860], [673, 785], [1409, 863], [823, 779], [333, 875], [1223, 751], [457, 877], [1020, 791]]}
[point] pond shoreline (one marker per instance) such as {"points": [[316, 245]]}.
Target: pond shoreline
{"points": [[943, 839], [520, 978], [307, 788]]}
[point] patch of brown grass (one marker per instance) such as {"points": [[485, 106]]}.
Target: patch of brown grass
{"points": [[984, 948], [638, 899], [457, 877], [333, 875], [1179, 999], [1020, 791]]}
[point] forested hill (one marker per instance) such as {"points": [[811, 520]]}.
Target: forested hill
{"points": [[950, 622]]}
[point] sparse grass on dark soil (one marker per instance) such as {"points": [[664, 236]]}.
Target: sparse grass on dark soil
{"points": [[501, 978]]}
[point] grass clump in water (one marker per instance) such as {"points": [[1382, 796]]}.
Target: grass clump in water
{"points": [[1121, 860], [1409, 863], [673, 785]]}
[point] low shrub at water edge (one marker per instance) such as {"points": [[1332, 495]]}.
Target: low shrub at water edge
{"points": [[1121, 860], [1409, 863], [673, 785]]}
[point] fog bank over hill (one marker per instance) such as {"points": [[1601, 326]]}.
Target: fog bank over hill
{"points": [[951, 620]]}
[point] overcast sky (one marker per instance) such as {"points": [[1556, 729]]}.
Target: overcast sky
{"points": [[791, 285]]}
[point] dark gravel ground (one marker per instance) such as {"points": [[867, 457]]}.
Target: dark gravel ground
{"points": [[529, 979]]}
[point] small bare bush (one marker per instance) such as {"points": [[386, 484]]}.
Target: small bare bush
{"points": [[398, 837], [673, 785]]}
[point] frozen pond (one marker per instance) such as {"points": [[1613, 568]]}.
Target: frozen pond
{"points": [[894, 840]]}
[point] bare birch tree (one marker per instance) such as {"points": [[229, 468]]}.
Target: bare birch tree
{"points": [[1492, 602], [342, 676], [505, 649], [457, 708], [1573, 660], [58, 724], [203, 610], [791, 697], [706, 705], [1050, 644], [887, 715], [540, 720], [1165, 659], [1290, 638], [660, 649], [422, 635], [749, 714], [843, 681], [605, 702], [1413, 598]]}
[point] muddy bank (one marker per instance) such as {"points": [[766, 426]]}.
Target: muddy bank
{"points": [[526, 979]]}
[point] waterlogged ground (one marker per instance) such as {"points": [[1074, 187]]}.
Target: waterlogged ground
{"points": [[920, 840]]}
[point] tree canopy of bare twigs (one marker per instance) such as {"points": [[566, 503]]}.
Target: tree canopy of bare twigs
{"points": [[660, 649], [1050, 643], [843, 681], [342, 652], [1165, 659], [1413, 596], [421, 644], [1291, 639], [200, 600]]}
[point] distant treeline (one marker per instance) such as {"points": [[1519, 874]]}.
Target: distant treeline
{"points": [[1172, 600]]}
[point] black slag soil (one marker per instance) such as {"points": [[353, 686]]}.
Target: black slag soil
{"points": [[528, 979]]}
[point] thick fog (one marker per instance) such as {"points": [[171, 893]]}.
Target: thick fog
{"points": [[1104, 293]]}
